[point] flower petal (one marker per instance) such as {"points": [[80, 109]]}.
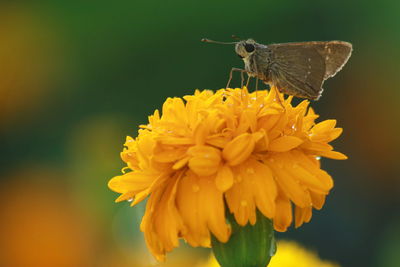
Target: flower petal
{"points": [[201, 206], [290, 186], [204, 160], [283, 217], [332, 155], [284, 143], [239, 149], [224, 179]]}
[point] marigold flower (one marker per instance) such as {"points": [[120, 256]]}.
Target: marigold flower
{"points": [[248, 150]]}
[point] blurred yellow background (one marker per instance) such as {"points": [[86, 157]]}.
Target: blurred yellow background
{"points": [[77, 77]]}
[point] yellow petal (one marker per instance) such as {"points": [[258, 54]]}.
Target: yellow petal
{"points": [[205, 160], [283, 217], [332, 155], [224, 179], [284, 143], [201, 206], [180, 163], [264, 188], [290, 186], [170, 154], [308, 179], [324, 126], [162, 224], [318, 200], [131, 181], [316, 146], [240, 200], [302, 215], [239, 149]]}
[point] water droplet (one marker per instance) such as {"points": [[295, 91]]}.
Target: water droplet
{"points": [[243, 203], [272, 249], [195, 188], [318, 158], [130, 141], [130, 199], [130, 154], [250, 170]]}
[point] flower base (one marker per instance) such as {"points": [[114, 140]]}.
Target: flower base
{"points": [[248, 246]]}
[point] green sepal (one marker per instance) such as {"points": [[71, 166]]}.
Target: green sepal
{"points": [[248, 246]]}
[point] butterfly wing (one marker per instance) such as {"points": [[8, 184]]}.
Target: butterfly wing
{"points": [[335, 53], [301, 68], [297, 70]]}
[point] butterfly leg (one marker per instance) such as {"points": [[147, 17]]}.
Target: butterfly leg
{"points": [[248, 80], [277, 96], [231, 74], [241, 79]]}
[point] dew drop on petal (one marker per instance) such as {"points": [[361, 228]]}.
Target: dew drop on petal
{"points": [[250, 170], [195, 188], [130, 199], [318, 158], [130, 154]]}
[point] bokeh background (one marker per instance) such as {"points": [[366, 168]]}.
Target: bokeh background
{"points": [[76, 77]]}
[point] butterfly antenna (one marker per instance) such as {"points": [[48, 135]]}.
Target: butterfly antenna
{"points": [[205, 40]]}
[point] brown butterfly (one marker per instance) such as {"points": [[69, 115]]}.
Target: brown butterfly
{"points": [[297, 69]]}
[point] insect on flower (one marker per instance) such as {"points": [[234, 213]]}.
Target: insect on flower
{"points": [[297, 69]]}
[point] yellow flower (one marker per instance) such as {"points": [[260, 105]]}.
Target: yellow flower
{"points": [[248, 150], [289, 254]]}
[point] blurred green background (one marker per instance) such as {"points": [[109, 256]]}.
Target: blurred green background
{"points": [[76, 77]]}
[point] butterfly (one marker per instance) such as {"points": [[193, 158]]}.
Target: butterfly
{"points": [[297, 69]]}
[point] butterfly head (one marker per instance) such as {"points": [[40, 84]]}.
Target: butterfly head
{"points": [[245, 48]]}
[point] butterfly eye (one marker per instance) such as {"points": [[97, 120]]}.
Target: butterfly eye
{"points": [[249, 48]]}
